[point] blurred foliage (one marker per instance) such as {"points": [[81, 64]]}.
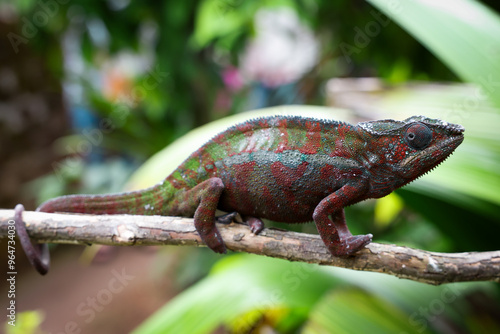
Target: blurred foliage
{"points": [[26, 322], [472, 54], [181, 49], [251, 294], [151, 71]]}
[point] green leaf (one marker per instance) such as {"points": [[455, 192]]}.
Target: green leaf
{"points": [[356, 311], [242, 288], [408, 295], [237, 285], [463, 34], [387, 208], [219, 18], [27, 322]]}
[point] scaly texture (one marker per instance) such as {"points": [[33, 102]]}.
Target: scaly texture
{"points": [[287, 169]]}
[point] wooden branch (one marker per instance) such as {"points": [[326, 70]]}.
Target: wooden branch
{"points": [[127, 230]]}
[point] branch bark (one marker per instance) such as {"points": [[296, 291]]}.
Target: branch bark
{"points": [[127, 230]]}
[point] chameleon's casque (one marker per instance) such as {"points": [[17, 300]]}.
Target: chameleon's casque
{"points": [[287, 169]]}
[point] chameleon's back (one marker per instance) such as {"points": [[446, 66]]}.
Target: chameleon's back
{"points": [[273, 167]]}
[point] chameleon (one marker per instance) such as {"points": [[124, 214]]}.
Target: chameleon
{"points": [[286, 169]]}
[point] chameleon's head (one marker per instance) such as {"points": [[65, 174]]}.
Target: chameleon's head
{"points": [[412, 147]]}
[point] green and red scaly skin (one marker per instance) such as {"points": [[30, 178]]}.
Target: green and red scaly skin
{"points": [[287, 169]]}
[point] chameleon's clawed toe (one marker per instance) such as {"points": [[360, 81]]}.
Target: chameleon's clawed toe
{"points": [[256, 225], [220, 248], [350, 245], [215, 243]]}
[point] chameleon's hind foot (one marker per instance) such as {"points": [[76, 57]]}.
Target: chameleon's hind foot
{"points": [[350, 245], [228, 218]]}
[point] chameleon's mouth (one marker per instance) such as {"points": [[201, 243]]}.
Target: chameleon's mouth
{"points": [[446, 148], [439, 151]]}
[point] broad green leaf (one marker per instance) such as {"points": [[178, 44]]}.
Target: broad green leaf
{"points": [[463, 34], [237, 285], [217, 18], [408, 295], [356, 311], [387, 208], [26, 322], [242, 287]]}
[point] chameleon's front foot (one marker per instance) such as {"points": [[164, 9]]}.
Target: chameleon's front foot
{"points": [[335, 234], [349, 245]]}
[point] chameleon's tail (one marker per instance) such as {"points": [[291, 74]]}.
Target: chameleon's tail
{"points": [[143, 202]]}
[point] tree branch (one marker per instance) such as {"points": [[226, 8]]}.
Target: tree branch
{"points": [[127, 230]]}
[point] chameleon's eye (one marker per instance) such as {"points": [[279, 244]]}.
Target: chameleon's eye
{"points": [[418, 136]]}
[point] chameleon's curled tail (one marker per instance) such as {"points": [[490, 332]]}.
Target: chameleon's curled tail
{"points": [[37, 254], [144, 202], [149, 201]]}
